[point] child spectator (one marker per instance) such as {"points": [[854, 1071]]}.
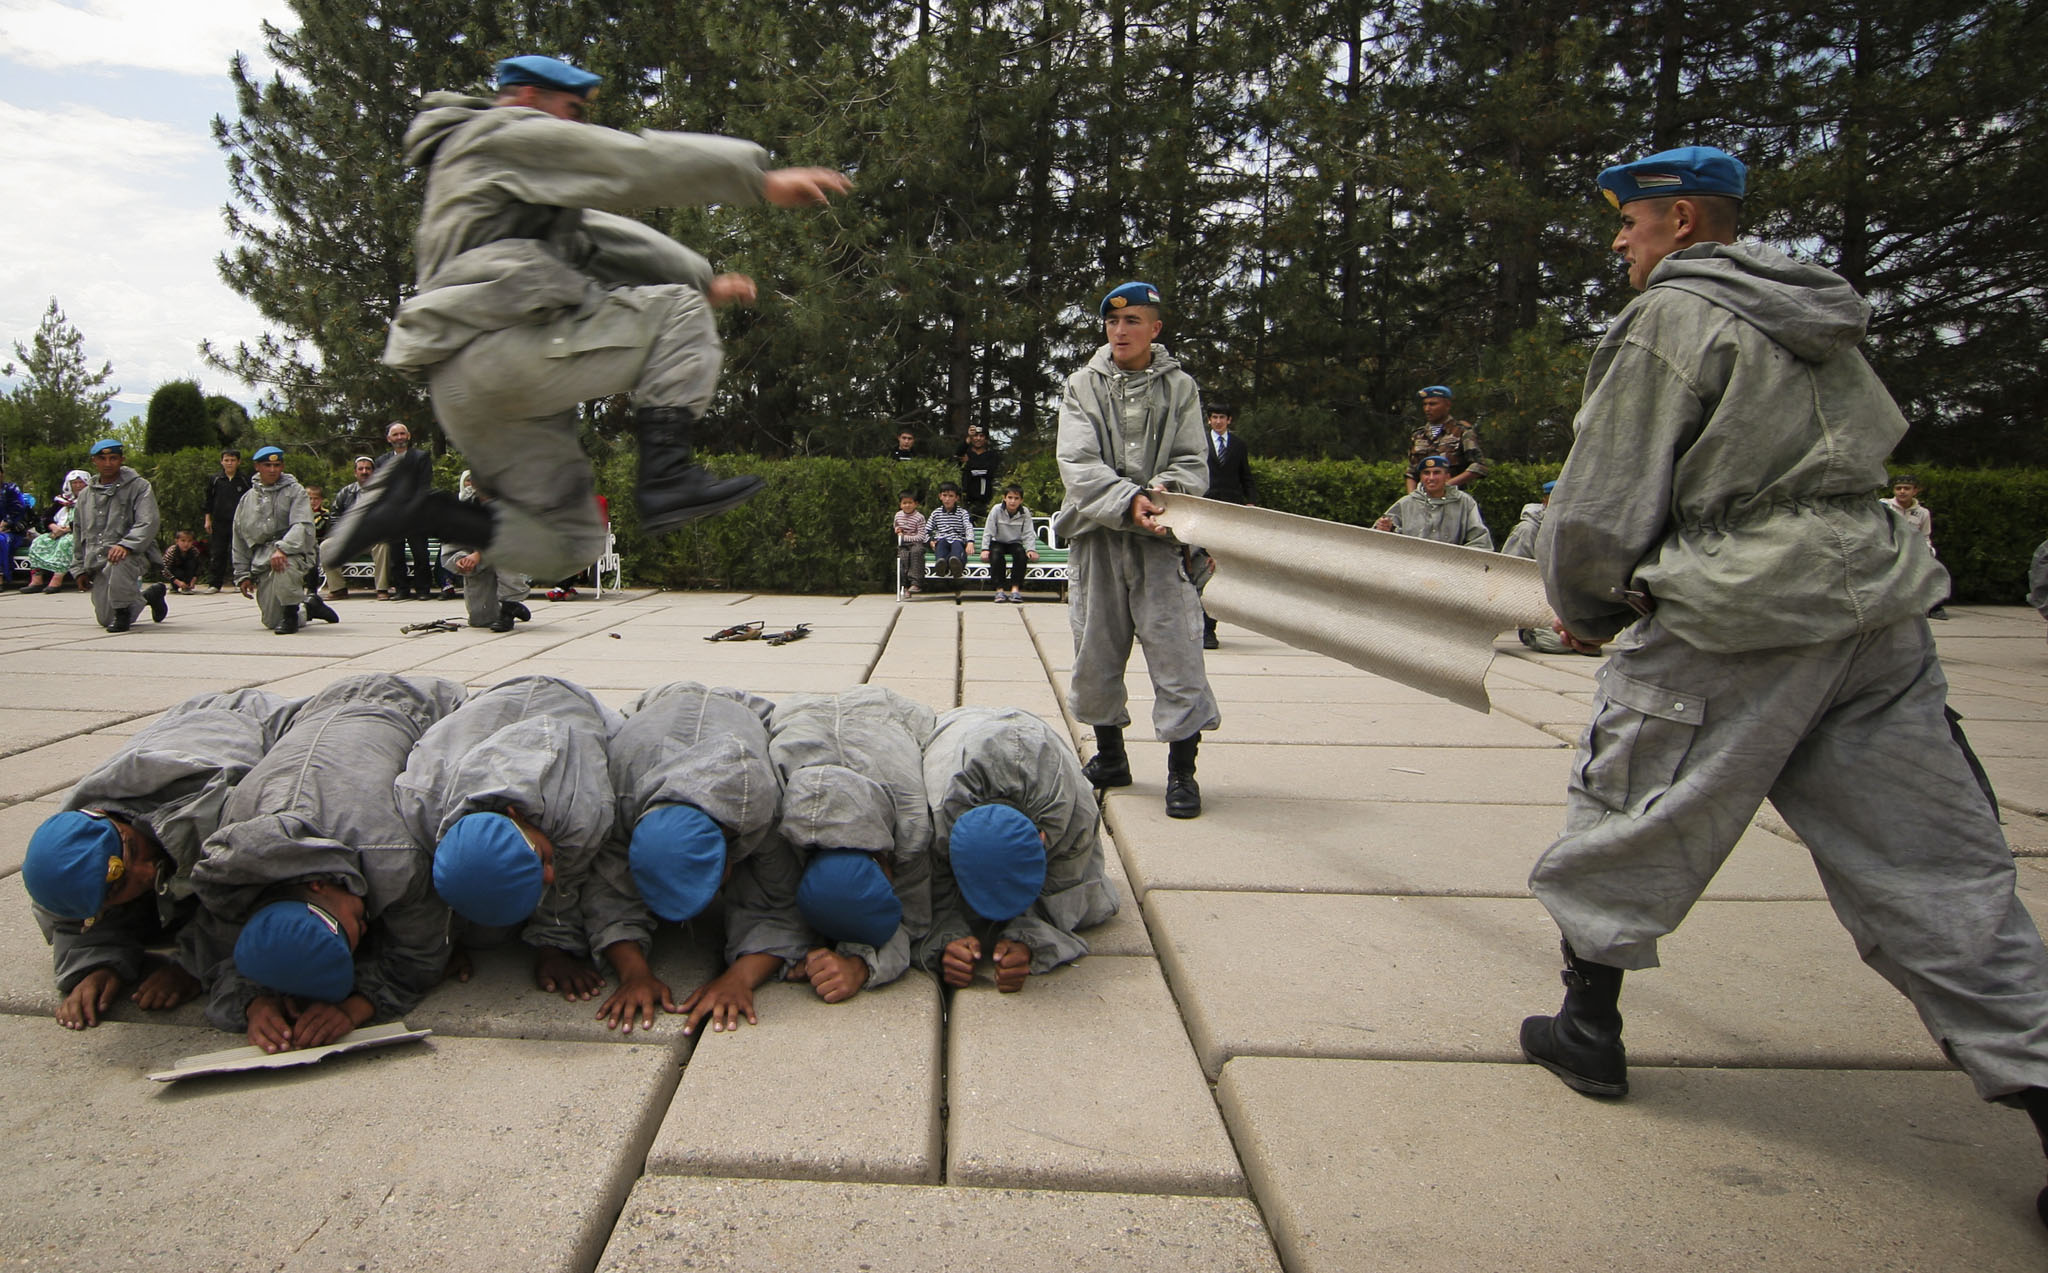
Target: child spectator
{"points": [[951, 532], [1905, 501], [1130, 428], [910, 542], [323, 521], [1008, 540], [182, 562]]}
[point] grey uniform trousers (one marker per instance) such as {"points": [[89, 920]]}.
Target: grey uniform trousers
{"points": [[1123, 586], [508, 402], [1848, 740], [276, 589], [117, 585], [486, 589]]}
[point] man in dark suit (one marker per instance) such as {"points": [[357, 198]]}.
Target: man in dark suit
{"points": [[1230, 480]]}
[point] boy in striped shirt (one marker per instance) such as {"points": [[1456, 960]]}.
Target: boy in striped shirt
{"points": [[951, 531]]}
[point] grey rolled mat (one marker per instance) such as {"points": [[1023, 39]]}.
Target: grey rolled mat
{"points": [[1412, 610]]}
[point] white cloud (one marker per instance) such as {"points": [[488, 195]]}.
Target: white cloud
{"points": [[102, 214], [188, 37]]}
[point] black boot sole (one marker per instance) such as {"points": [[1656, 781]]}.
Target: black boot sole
{"points": [[1536, 1034], [663, 523]]}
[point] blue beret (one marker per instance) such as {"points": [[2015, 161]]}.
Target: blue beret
{"points": [[1434, 462], [265, 452], [1687, 170], [486, 870], [296, 948], [1128, 294], [106, 444], [546, 72], [69, 863], [1435, 391], [845, 896], [998, 860], [1548, 487], [677, 855]]}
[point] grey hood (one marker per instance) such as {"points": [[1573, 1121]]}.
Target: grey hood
{"points": [[1808, 310], [443, 114]]}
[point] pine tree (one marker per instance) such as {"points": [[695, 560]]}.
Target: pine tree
{"points": [[61, 400]]}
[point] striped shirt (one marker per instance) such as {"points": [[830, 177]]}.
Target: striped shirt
{"points": [[951, 523], [910, 528]]}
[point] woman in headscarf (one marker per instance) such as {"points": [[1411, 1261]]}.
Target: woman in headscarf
{"points": [[54, 552]]}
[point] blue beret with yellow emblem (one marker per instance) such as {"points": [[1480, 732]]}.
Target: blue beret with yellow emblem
{"points": [[1128, 294], [1687, 170]]}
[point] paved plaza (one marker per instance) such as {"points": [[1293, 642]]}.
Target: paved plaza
{"points": [[1293, 1049]]}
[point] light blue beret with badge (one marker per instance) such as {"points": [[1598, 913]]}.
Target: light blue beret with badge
{"points": [[485, 869], [105, 444], [297, 948], [546, 72], [1434, 391], [265, 452], [70, 860], [1128, 294], [677, 856], [998, 861], [1687, 170]]}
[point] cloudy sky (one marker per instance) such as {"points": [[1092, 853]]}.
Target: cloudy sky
{"points": [[113, 184]]}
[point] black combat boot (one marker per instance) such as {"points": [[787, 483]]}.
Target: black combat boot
{"points": [[1110, 766], [672, 491], [318, 609], [288, 622], [1209, 641], [389, 508], [124, 618], [517, 609], [505, 621], [1183, 794], [2034, 1100], [1582, 1043], [154, 597]]}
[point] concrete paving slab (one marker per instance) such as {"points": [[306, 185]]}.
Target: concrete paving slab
{"points": [[1512, 671], [1755, 984], [500, 1000], [99, 663], [130, 726], [1252, 771], [2020, 781], [1124, 933], [935, 693], [54, 767], [131, 693], [1031, 696], [780, 1226], [2007, 738], [1415, 1168], [32, 727], [1336, 846], [347, 1164], [2026, 834], [1983, 705], [1082, 1080], [17, 823], [816, 1091], [1376, 725]]}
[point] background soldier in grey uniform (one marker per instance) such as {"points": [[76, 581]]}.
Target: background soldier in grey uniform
{"points": [[534, 298], [494, 598], [275, 546], [853, 804], [116, 523], [1715, 512], [1438, 511]]}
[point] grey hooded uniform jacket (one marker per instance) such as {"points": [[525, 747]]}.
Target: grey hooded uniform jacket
{"points": [[1727, 442], [516, 229], [1521, 541], [321, 806], [123, 513], [852, 767], [1121, 432], [1454, 519], [685, 743], [273, 518], [1001, 755], [171, 780], [538, 744]]}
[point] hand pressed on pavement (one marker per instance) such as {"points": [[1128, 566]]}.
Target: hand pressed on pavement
{"points": [[1013, 965], [834, 976], [730, 995], [640, 992], [956, 966], [167, 987]]}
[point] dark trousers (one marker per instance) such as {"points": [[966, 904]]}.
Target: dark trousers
{"points": [[416, 575], [1001, 554], [220, 555]]}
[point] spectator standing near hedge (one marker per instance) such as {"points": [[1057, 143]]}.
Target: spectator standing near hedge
{"points": [[1230, 480], [1008, 540], [1905, 501], [345, 499], [414, 580], [906, 446], [1130, 427], [224, 492], [980, 463], [1455, 440], [117, 526]]}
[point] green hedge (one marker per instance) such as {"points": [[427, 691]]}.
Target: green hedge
{"points": [[822, 526]]}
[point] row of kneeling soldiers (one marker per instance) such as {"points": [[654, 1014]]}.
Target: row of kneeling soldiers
{"points": [[316, 864]]}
